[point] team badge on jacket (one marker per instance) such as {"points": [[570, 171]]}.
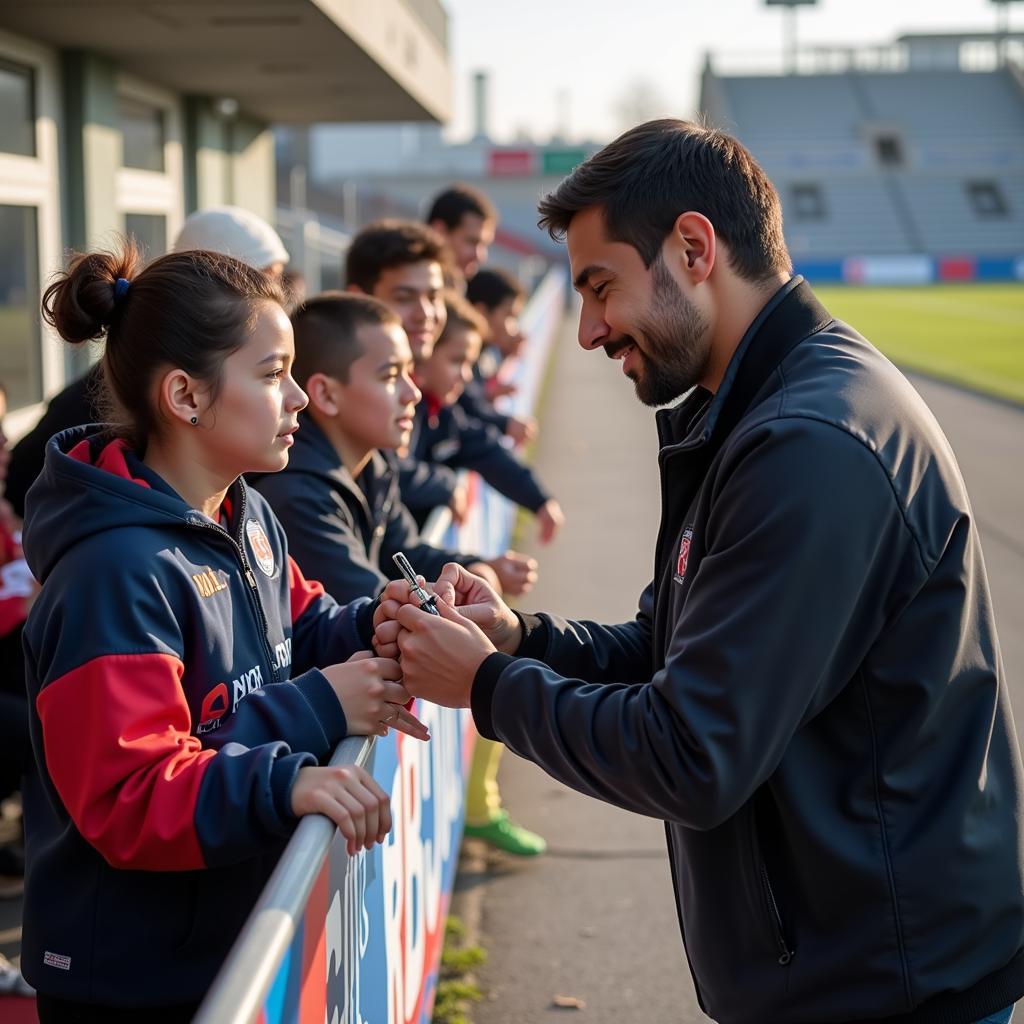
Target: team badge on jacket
{"points": [[684, 554], [261, 549]]}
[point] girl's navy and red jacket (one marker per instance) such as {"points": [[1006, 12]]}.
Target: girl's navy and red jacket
{"points": [[170, 663]]}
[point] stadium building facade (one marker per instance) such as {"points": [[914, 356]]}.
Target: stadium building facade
{"points": [[126, 118]]}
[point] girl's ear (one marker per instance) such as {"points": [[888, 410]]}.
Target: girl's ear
{"points": [[181, 398]]}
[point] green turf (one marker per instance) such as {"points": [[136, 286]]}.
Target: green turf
{"points": [[972, 334]]}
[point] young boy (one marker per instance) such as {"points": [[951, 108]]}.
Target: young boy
{"points": [[498, 297], [338, 497], [446, 435], [466, 219]]}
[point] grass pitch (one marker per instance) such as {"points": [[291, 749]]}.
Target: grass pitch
{"points": [[970, 334]]}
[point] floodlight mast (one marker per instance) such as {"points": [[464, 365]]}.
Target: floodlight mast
{"points": [[1003, 28], [789, 29]]}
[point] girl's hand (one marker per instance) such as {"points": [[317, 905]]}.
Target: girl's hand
{"points": [[372, 698], [350, 797]]}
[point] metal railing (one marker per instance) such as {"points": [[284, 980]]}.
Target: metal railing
{"points": [[289, 947]]}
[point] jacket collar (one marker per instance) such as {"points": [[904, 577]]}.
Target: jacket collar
{"points": [[314, 453], [790, 315]]}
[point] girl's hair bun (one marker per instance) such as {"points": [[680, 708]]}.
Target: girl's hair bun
{"points": [[84, 300]]}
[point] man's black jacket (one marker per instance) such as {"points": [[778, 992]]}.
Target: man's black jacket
{"points": [[811, 696], [343, 532]]}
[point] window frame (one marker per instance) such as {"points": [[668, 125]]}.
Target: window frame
{"points": [[35, 181], [155, 192], [13, 64]]}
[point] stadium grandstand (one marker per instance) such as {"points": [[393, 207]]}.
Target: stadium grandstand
{"points": [[898, 163]]}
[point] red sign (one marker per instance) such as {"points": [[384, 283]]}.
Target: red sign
{"points": [[510, 163]]}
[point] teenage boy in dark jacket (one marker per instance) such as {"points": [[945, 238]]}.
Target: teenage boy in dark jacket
{"points": [[811, 695], [338, 497], [445, 434]]}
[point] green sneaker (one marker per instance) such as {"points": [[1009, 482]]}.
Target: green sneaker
{"points": [[502, 834]]}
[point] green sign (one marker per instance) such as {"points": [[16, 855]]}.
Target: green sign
{"points": [[561, 161]]}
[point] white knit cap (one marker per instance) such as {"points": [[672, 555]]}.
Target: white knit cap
{"points": [[234, 232]]}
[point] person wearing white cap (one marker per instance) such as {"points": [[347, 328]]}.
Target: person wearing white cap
{"points": [[235, 232]]}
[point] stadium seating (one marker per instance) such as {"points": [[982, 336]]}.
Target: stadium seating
{"points": [[886, 162]]}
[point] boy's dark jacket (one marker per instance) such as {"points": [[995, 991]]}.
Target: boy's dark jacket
{"points": [[347, 529], [811, 696], [445, 435], [173, 699]]}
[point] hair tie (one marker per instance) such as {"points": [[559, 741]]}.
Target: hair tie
{"points": [[121, 288]]}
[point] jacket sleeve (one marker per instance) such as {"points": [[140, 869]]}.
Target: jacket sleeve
{"points": [[807, 554], [476, 405], [589, 650], [323, 631], [401, 534], [481, 448], [321, 538], [117, 734], [425, 485]]}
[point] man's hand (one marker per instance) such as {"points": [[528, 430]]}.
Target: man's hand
{"points": [[440, 654], [521, 429], [550, 519], [475, 600], [516, 573], [487, 571], [471, 597]]}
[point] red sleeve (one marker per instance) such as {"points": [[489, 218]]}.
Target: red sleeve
{"points": [[117, 743], [303, 592]]}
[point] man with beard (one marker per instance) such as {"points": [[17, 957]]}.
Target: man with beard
{"points": [[811, 694]]}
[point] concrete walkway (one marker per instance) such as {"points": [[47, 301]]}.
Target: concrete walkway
{"points": [[595, 919]]}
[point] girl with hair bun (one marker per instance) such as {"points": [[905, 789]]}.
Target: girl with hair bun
{"points": [[187, 683]]}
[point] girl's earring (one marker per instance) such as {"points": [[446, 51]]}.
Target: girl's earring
{"points": [[194, 420]]}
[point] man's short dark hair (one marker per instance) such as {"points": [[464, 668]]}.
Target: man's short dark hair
{"points": [[451, 205], [391, 243], [327, 332], [491, 286], [651, 174]]}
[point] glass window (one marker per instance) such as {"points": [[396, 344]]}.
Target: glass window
{"points": [[17, 110], [20, 351], [987, 199], [142, 127], [890, 150], [149, 230], [807, 202]]}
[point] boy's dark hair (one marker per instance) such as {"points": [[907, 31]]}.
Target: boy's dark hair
{"points": [[391, 243], [189, 310], [491, 286], [651, 174], [451, 205], [327, 333], [461, 317]]}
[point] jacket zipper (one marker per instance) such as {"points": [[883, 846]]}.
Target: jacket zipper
{"points": [[250, 579], [785, 953]]}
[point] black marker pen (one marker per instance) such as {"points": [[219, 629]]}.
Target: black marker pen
{"points": [[428, 602]]}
